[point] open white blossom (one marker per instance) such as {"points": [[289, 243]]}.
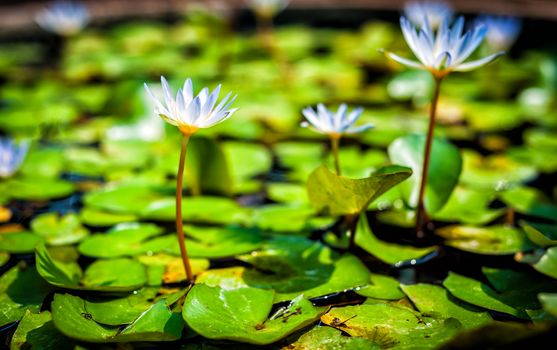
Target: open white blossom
{"points": [[333, 124], [445, 51], [268, 8], [12, 155], [435, 12], [64, 18], [502, 31], [190, 113]]}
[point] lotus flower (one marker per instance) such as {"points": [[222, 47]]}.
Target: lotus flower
{"points": [[434, 12], [190, 113], [501, 31], [334, 124], [11, 156], [64, 18]]}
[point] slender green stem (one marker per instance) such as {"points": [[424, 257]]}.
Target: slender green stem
{"points": [[421, 214], [179, 222], [334, 150]]}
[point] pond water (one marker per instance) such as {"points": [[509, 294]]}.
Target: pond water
{"points": [[88, 250]]}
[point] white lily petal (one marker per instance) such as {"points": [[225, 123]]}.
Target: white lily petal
{"points": [[468, 66], [404, 61]]}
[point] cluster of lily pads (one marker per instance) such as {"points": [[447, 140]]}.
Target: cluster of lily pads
{"points": [[325, 236]]}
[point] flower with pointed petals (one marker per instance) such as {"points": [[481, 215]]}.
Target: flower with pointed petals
{"points": [[333, 124], [434, 12], [64, 18], [445, 51], [190, 113], [268, 8], [501, 31], [12, 155]]}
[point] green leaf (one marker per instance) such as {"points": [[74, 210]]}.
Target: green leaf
{"points": [[158, 323], [389, 253], [43, 162], [469, 206], [445, 166], [529, 201], [37, 331], [491, 240], [19, 242], [548, 263], [56, 272], [94, 217], [122, 273], [243, 314], [21, 289], [549, 302], [433, 300], [59, 230], [338, 195], [328, 338], [37, 188], [381, 287], [117, 311], [544, 235], [392, 326]]}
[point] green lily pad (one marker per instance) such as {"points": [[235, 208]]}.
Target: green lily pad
{"points": [[328, 338], [381, 287], [124, 199], [529, 201], [544, 235], [392, 326], [389, 253], [549, 302], [4, 258], [157, 323], [444, 169], [548, 263], [37, 331], [44, 162], [514, 294], [337, 195], [433, 300], [59, 230], [491, 240], [122, 240], [36, 188], [246, 161], [243, 314], [94, 217], [19, 242], [298, 218], [469, 207], [284, 192], [21, 289]]}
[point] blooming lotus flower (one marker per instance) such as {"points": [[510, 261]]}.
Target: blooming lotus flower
{"points": [[64, 18], [434, 12], [443, 52], [501, 31], [333, 124], [268, 8], [190, 113], [11, 156]]}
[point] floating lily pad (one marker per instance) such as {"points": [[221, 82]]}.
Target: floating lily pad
{"points": [[389, 253], [118, 311], [36, 188], [287, 193], [170, 269], [391, 326], [337, 195], [246, 160], [94, 217], [492, 240], [381, 287], [328, 338], [157, 323], [37, 331], [433, 300], [244, 314], [59, 230], [469, 206], [549, 302], [544, 235], [19, 242], [21, 289], [444, 169], [529, 201], [548, 263], [43, 162], [297, 218]]}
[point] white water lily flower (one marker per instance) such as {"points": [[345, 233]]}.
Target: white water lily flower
{"points": [[434, 12], [333, 124], [12, 155], [502, 31], [190, 113], [443, 52], [63, 18], [268, 8]]}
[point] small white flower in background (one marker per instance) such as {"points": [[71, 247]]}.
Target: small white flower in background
{"points": [[268, 8], [64, 18], [333, 124], [12, 155], [190, 113], [445, 51], [434, 12], [502, 31]]}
